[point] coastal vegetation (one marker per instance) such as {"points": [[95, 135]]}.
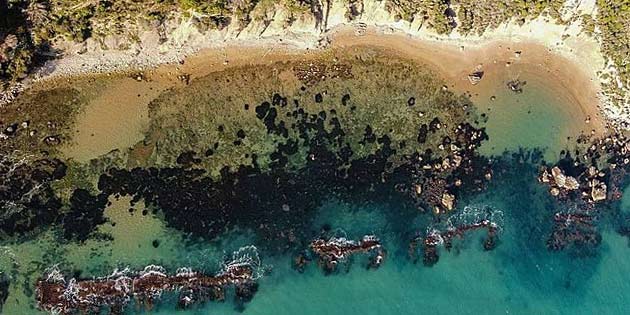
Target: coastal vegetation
{"points": [[30, 29], [261, 149], [613, 23], [479, 16]]}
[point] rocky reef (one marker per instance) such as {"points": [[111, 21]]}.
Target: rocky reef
{"points": [[593, 173], [114, 292], [27, 200], [274, 157], [573, 229], [457, 226], [332, 251], [260, 149], [590, 175]]}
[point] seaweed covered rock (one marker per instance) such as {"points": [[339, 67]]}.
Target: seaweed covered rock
{"points": [[86, 212], [338, 132], [4, 289], [27, 200]]}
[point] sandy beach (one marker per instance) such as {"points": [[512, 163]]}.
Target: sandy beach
{"points": [[560, 60], [576, 89], [500, 60]]}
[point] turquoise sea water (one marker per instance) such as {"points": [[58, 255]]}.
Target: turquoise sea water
{"points": [[520, 276]]}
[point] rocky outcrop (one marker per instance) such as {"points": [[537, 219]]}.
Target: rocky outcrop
{"points": [[335, 250], [592, 188], [90, 296]]}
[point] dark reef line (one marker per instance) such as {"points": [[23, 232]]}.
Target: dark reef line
{"points": [[317, 154]]}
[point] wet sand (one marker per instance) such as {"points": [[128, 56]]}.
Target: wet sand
{"points": [[536, 63], [117, 117]]}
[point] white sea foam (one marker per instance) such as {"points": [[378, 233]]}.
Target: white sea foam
{"points": [[472, 214], [246, 256]]}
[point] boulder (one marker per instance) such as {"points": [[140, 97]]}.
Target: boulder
{"points": [[598, 192], [558, 176], [563, 181], [475, 77], [571, 183], [448, 200]]}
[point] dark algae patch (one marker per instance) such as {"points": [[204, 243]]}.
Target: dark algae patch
{"points": [[4, 289], [27, 199], [357, 161], [295, 142]]}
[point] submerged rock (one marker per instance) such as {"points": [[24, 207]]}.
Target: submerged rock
{"points": [[448, 201], [4, 289], [335, 250], [573, 229], [516, 85], [54, 294], [475, 77]]}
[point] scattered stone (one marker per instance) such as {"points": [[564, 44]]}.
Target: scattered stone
{"points": [[241, 134], [184, 78], [11, 130], [411, 101], [319, 98], [52, 140], [476, 76], [345, 99], [516, 85], [448, 201], [418, 189]]}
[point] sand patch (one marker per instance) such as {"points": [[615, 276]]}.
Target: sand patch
{"points": [[536, 62], [115, 118]]}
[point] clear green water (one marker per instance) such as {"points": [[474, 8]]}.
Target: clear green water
{"points": [[536, 118], [519, 277]]}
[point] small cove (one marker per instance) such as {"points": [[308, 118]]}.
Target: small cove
{"points": [[519, 277]]}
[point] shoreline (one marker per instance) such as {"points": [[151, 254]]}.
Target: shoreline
{"points": [[548, 72], [189, 47], [498, 59]]}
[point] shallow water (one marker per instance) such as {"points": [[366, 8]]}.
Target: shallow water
{"points": [[520, 276], [539, 117]]}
